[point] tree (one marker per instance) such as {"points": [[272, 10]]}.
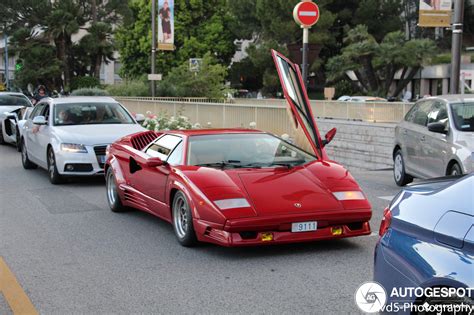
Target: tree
{"points": [[40, 63], [207, 82], [375, 64], [64, 21], [200, 27], [270, 25], [57, 21], [99, 46], [380, 16]]}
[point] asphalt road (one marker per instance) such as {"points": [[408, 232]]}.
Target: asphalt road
{"points": [[71, 254]]}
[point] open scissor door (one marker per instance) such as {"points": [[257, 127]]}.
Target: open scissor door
{"points": [[297, 98]]}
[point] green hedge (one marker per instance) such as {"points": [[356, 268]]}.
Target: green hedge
{"points": [[84, 82], [129, 88], [89, 92]]}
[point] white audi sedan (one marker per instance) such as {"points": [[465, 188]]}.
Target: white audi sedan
{"points": [[69, 136]]}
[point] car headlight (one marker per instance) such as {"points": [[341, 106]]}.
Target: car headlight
{"points": [[73, 148], [225, 204], [349, 195]]}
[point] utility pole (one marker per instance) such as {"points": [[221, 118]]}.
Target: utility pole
{"points": [[153, 45], [7, 66], [456, 46]]}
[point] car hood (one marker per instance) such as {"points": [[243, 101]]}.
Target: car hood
{"points": [[282, 191], [95, 134], [279, 191]]}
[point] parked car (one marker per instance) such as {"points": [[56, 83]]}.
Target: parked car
{"points": [[361, 99], [436, 138], [427, 240], [236, 187], [13, 107], [69, 136]]}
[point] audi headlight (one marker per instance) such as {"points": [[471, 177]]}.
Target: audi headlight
{"points": [[349, 195], [73, 148], [225, 204]]}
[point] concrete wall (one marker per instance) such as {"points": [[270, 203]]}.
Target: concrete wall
{"points": [[360, 145]]}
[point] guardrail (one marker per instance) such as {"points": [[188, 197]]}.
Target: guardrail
{"points": [[268, 114], [180, 99]]}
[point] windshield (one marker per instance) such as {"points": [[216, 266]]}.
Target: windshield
{"points": [[14, 100], [90, 113], [244, 150], [463, 116]]}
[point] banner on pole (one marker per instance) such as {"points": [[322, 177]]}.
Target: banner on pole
{"points": [[435, 13], [166, 24]]}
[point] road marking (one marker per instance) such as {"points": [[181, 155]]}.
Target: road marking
{"points": [[388, 198], [12, 291]]}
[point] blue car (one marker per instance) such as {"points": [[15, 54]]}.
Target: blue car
{"points": [[427, 243]]}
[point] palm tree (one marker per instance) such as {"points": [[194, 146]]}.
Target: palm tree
{"points": [[65, 19], [100, 46]]}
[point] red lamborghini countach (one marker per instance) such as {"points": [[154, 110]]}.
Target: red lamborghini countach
{"points": [[236, 187]]}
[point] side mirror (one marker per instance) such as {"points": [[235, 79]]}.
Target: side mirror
{"points": [[329, 136], [437, 127], [154, 162], [140, 118], [40, 120]]}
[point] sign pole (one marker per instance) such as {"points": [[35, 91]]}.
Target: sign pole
{"points": [[306, 14], [153, 45], [7, 65], [456, 45], [304, 66]]}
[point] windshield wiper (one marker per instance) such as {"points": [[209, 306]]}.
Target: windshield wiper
{"points": [[289, 164], [223, 164]]}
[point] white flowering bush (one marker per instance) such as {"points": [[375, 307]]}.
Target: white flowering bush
{"points": [[164, 122]]}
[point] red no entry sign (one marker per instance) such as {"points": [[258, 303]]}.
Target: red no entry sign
{"points": [[306, 13]]}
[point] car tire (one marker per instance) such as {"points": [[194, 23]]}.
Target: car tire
{"points": [[54, 177], [25, 161], [2, 140], [183, 220], [18, 141], [113, 198], [455, 170], [399, 174]]}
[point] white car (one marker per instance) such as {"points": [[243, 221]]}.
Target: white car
{"points": [[69, 136], [361, 99], [13, 108]]}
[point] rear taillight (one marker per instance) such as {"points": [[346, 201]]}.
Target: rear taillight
{"points": [[386, 220]]}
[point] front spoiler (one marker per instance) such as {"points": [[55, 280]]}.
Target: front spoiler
{"points": [[209, 234]]}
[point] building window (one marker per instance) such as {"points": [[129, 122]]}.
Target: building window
{"points": [[117, 66], [238, 45]]}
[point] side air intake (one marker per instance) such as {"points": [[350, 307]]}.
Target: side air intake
{"points": [[141, 140]]}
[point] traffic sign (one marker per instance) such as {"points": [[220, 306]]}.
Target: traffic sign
{"points": [[155, 77], [306, 13]]}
